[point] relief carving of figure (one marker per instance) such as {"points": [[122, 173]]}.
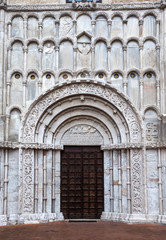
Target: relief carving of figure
{"points": [[84, 45], [66, 25]]}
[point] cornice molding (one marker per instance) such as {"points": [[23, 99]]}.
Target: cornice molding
{"points": [[84, 7]]}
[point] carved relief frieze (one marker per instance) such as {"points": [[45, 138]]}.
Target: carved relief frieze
{"points": [[136, 178], [82, 134], [82, 88]]}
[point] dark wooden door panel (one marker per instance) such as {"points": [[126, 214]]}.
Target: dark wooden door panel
{"points": [[82, 184]]}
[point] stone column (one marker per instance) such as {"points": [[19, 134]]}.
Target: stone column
{"points": [[9, 29], [107, 169], [40, 28], [158, 57], [93, 22], [57, 57], [124, 29], [40, 56], [158, 92], [9, 50], [75, 58], [158, 28], [57, 28], [25, 49], [25, 28], [109, 58], [160, 183], [109, 29], [93, 57], [141, 84], [8, 92], [3, 57], [140, 27], [75, 27], [24, 92], [124, 68], [57, 181]]}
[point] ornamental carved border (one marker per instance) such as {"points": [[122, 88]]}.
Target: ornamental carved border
{"points": [[68, 90], [28, 181], [136, 180]]}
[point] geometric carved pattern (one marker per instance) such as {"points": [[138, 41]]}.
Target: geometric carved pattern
{"points": [[28, 196], [136, 176], [152, 132], [59, 92]]}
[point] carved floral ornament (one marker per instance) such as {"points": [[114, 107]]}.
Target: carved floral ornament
{"points": [[66, 90]]}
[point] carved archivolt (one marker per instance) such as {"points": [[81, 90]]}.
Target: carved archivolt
{"points": [[57, 94], [67, 90]]}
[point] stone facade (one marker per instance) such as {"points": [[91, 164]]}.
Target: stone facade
{"points": [[82, 74]]}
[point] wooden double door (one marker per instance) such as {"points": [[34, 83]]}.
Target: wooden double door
{"points": [[82, 183]]}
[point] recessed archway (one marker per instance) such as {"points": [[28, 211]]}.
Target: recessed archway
{"points": [[90, 111]]}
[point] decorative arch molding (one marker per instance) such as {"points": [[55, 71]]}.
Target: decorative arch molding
{"points": [[61, 91], [57, 96]]}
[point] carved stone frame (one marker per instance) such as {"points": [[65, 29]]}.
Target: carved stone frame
{"points": [[67, 90]]}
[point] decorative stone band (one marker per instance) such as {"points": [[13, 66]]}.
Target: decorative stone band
{"points": [[28, 181], [14, 145], [137, 181], [106, 92], [98, 6]]}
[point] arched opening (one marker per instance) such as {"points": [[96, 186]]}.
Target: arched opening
{"points": [[78, 126]]}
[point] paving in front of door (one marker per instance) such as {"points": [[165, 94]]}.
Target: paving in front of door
{"points": [[84, 231]]}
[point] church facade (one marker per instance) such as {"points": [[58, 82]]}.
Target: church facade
{"points": [[82, 111]]}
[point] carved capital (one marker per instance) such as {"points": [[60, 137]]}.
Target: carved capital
{"points": [[40, 48], [57, 22], [125, 21], [93, 22], [157, 47], [25, 49], [124, 47], [109, 22], [141, 21]]}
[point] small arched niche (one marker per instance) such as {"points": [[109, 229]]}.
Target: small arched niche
{"points": [[149, 54], [14, 125], [17, 55], [16, 90], [132, 27], [149, 26], [117, 80], [49, 27], [101, 27], [33, 56], [116, 55], [101, 55], [48, 56], [17, 27], [66, 55], [31, 87], [84, 24], [66, 27], [133, 56], [117, 27], [84, 51], [48, 81], [150, 91], [33, 30], [133, 88]]}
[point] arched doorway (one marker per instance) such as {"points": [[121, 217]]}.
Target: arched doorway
{"points": [[81, 114]]}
